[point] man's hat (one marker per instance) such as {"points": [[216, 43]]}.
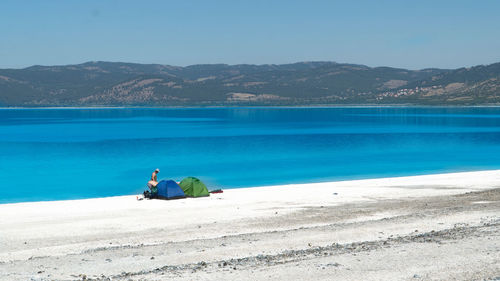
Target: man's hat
{"points": [[157, 170]]}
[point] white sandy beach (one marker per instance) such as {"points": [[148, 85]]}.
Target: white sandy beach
{"points": [[433, 227]]}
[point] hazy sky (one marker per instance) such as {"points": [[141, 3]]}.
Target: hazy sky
{"points": [[409, 34]]}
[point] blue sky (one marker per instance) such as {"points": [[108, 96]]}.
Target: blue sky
{"points": [[408, 34]]}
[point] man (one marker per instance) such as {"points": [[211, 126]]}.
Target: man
{"points": [[154, 179]]}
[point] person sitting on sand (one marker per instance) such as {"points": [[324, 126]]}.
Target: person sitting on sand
{"points": [[154, 179]]}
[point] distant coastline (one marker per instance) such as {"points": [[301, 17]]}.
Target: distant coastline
{"points": [[258, 106], [115, 84]]}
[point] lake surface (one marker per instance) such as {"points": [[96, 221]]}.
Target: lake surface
{"points": [[52, 154]]}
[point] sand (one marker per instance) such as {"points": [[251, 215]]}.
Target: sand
{"points": [[432, 227]]}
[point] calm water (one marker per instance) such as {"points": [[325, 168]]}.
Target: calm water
{"points": [[48, 154]]}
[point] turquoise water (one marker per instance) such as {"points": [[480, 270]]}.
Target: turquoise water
{"points": [[51, 154]]}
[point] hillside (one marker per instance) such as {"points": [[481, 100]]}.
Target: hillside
{"points": [[116, 84]]}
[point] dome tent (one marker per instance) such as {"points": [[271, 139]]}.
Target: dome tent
{"points": [[169, 189], [193, 187]]}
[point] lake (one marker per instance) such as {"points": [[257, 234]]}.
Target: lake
{"points": [[53, 154]]}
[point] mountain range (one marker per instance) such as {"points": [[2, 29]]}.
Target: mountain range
{"points": [[303, 83]]}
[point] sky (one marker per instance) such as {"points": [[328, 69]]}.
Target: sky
{"points": [[407, 34]]}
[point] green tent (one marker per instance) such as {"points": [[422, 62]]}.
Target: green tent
{"points": [[193, 187]]}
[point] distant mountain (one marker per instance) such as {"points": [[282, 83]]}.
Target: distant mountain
{"points": [[118, 84], [474, 85]]}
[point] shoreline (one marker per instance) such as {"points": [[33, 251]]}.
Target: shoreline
{"points": [[261, 106], [322, 231], [402, 179]]}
